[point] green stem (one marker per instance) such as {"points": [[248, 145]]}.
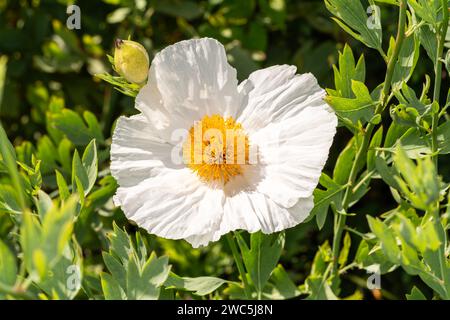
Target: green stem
{"points": [[367, 134], [443, 238], [440, 49], [239, 265], [441, 33]]}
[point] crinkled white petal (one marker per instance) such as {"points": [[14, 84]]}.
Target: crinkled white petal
{"points": [[293, 129], [173, 205], [278, 94], [137, 153], [293, 152], [186, 81], [149, 102], [254, 211]]}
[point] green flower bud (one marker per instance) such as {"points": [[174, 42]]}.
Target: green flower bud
{"points": [[131, 61]]}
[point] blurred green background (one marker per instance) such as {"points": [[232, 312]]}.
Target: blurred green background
{"points": [[46, 59]]}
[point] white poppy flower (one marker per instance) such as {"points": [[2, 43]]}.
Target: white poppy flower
{"points": [[279, 119]]}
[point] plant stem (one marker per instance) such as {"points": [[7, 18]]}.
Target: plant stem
{"points": [[443, 238], [367, 134], [441, 33], [239, 264]]}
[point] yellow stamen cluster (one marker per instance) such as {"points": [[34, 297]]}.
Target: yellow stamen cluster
{"points": [[216, 148]]}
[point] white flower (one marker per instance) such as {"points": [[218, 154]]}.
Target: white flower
{"points": [[279, 115]]}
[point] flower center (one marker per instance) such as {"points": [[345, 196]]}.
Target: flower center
{"points": [[216, 148]]}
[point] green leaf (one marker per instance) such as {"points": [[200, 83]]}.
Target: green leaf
{"points": [[90, 164], [64, 280], [133, 280], [429, 42], [94, 127], [117, 270], [64, 192], [344, 163], [79, 132], [360, 108], [154, 274], [281, 286], [343, 255], [120, 84], [324, 198], [30, 238], [443, 138], [427, 10], [319, 289], [415, 294], [8, 265], [374, 144], [387, 238], [156, 270], [262, 256], [43, 245], [408, 232], [352, 17], [394, 132], [404, 165], [139, 278], [429, 237], [420, 183], [43, 203], [321, 260], [407, 60], [120, 244], [200, 286], [8, 200], [9, 159], [85, 170], [347, 72], [371, 257], [57, 227], [417, 145], [409, 98], [387, 173], [79, 173], [393, 2], [48, 154], [40, 263], [111, 288]]}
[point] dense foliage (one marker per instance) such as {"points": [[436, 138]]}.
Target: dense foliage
{"points": [[382, 203]]}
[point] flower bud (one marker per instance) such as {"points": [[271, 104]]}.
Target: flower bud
{"points": [[131, 61]]}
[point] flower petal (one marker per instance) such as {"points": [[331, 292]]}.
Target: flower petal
{"points": [[278, 94], [137, 153], [293, 152], [253, 211], [173, 205], [293, 129], [188, 80]]}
